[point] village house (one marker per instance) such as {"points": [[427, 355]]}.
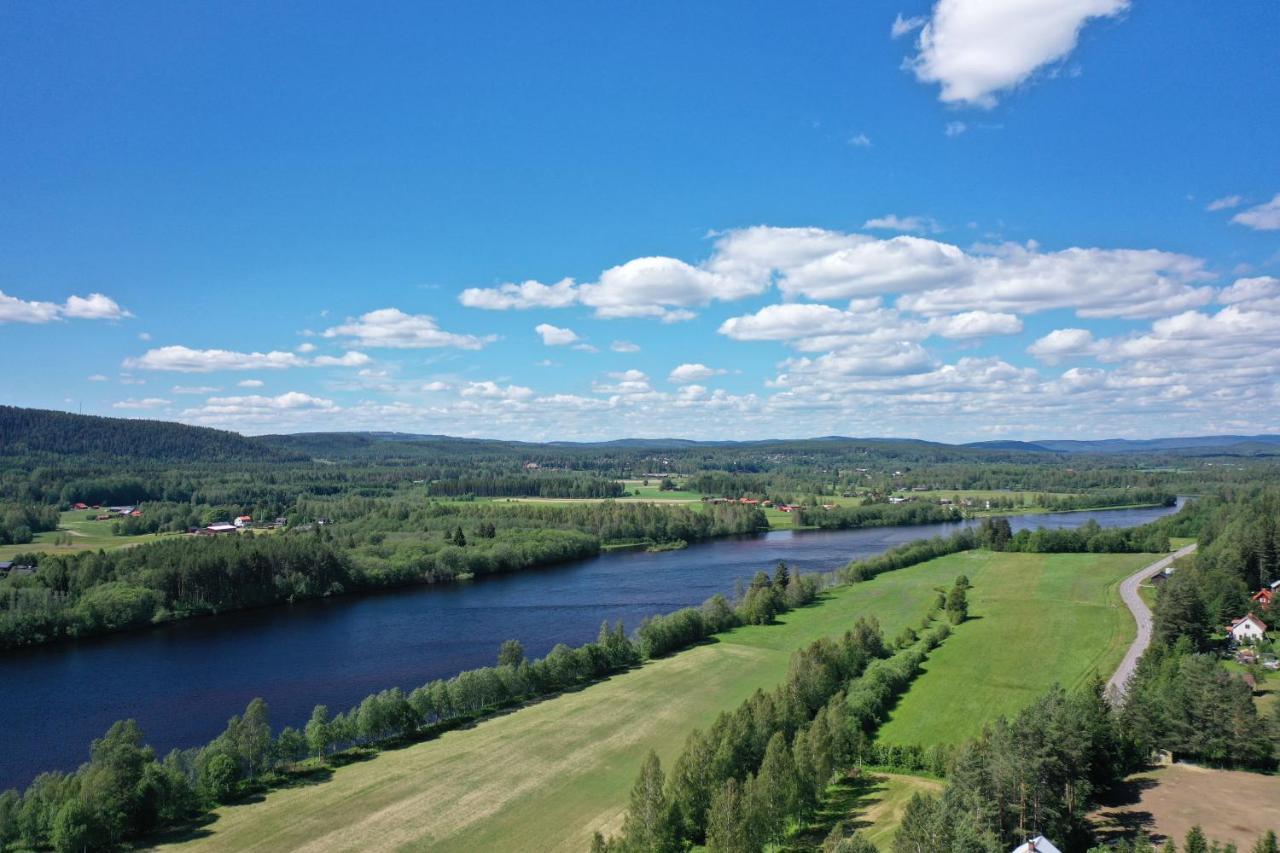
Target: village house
{"points": [[1248, 629], [1039, 844], [243, 521], [79, 506], [1263, 597]]}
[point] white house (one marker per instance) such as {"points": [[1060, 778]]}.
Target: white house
{"points": [[1247, 629], [1039, 844], [243, 521]]}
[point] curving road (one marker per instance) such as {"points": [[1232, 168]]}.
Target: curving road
{"points": [[1141, 613]]}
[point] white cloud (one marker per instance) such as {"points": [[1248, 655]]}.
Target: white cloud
{"points": [[624, 346], [392, 328], [975, 324], [188, 360], [148, 403], [910, 224], [492, 390], [305, 347], [347, 359], [1063, 343], [530, 294], [198, 390], [902, 26], [860, 140], [14, 310], [1262, 217], [1261, 292], [955, 128], [977, 48], [144, 336], [250, 383], [687, 374], [435, 387], [257, 408], [1225, 203], [95, 306], [554, 336], [98, 377]]}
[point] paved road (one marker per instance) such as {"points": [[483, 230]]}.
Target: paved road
{"points": [[1142, 613]]}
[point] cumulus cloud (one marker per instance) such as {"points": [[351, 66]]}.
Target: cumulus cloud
{"points": [[687, 374], [250, 383], [909, 224], [1063, 343], [436, 387], [624, 346], [976, 324], [347, 359], [493, 391], [977, 48], [257, 408], [187, 360], [393, 328], [1262, 217], [95, 306], [530, 294], [554, 336], [98, 377], [147, 403], [860, 140]]}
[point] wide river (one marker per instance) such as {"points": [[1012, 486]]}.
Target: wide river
{"points": [[182, 681]]}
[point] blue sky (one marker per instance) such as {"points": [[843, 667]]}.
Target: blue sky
{"points": [[961, 220]]}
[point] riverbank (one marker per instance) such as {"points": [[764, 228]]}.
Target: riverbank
{"points": [[547, 776], [181, 681]]}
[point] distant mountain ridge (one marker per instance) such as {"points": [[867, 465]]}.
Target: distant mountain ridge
{"points": [[44, 432], [38, 431]]}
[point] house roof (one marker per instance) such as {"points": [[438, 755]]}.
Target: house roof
{"points": [[1247, 618], [1039, 844]]}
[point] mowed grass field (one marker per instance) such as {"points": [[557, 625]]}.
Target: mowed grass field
{"points": [[1037, 619], [1229, 805], [546, 776], [84, 533]]}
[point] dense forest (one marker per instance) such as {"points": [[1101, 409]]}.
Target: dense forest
{"points": [[373, 544]]}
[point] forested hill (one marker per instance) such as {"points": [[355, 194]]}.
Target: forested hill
{"points": [[43, 433]]}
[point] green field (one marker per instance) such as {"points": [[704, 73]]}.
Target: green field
{"points": [[546, 776], [84, 533], [1038, 619]]}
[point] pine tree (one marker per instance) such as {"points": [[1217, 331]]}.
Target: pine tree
{"points": [[1195, 842], [647, 828]]}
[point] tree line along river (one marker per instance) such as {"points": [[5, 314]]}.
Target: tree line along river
{"points": [[182, 681]]}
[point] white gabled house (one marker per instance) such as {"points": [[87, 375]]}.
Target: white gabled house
{"points": [[1247, 629], [1039, 844]]}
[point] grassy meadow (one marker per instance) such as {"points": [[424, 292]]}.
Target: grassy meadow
{"points": [[546, 776], [1037, 619], [78, 532]]}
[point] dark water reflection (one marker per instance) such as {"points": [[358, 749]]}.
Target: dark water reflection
{"points": [[182, 681]]}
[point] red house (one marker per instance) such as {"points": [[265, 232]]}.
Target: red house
{"points": [[1263, 597]]}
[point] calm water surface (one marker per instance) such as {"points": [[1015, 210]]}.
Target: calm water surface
{"points": [[181, 682]]}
